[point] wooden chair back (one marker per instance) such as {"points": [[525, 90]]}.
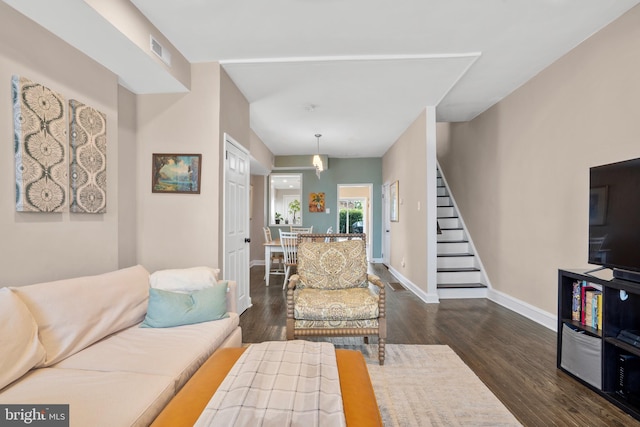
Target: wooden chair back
{"points": [[267, 234], [288, 241]]}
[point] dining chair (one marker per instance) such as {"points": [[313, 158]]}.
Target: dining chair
{"points": [[288, 240], [276, 257], [329, 231], [301, 230]]}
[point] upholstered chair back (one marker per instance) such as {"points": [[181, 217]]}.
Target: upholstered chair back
{"points": [[332, 265]]}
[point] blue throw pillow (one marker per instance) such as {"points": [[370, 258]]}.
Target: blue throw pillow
{"points": [[167, 309]]}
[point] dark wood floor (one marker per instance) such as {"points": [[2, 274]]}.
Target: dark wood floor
{"points": [[514, 356]]}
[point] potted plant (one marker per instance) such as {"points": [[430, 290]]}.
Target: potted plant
{"points": [[294, 207], [278, 217]]}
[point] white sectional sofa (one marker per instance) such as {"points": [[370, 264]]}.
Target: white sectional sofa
{"points": [[79, 342]]}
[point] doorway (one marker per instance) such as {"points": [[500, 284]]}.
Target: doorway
{"points": [[354, 211], [236, 220], [386, 227]]}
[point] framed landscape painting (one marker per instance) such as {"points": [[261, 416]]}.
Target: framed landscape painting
{"points": [[176, 173]]}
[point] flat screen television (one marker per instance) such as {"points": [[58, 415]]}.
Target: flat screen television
{"points": [[614, 217]]}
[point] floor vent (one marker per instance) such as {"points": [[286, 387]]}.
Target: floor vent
{"points": [[396, 286]]}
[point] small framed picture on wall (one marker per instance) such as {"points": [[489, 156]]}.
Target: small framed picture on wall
{"points": [[176, 173], [393, 202]]}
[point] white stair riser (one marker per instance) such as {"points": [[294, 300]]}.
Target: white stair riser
{"points": [[451, 235], [465, 293], [456, 262], [444, 201], [439, 181], [459, 277], [449, 222], [453, 248], [442, 191], [446, 212]]}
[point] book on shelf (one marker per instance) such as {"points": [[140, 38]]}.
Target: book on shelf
{"points": [[575, 301], [586, 304], [588, 308], [599, 310]]}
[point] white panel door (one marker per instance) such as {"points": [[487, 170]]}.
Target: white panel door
{"points": [[386, 226], [236, 220]]}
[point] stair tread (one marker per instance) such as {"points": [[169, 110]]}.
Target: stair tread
{"points": [[460, 254], [453, 241], [460, 285], [458, 269], [451, 229]]}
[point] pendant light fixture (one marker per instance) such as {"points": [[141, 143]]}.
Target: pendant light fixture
{"points": [[317, 161]]}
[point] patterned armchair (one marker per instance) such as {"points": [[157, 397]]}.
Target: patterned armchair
{"points": [[332, 294]]}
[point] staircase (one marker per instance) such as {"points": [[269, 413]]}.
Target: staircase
{"points": [[459, 274]]}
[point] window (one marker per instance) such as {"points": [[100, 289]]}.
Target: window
{"points": [[351, 215], [285, 192]]}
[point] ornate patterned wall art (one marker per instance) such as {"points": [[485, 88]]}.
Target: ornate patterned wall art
{"points": [[88, 159], [40, 147]]}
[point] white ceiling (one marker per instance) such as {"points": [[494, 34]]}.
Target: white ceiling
{"points": [[357, 71], [369, 67]]}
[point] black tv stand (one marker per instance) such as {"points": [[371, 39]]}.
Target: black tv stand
{"points": [[594, 355], [595, 269], [630, 276]]}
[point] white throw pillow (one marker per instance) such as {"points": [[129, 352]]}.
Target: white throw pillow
{"points": [[185, 279], [74, 313], [20, 349]]}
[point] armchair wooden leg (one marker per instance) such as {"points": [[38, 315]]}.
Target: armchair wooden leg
{"points": [[381, 342], [290, 329]]}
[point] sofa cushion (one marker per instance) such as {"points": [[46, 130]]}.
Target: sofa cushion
{"points": [[184, 279], [167, 309], [74, 313], [332, 265], [174, 352], [336, 304], [96, 399], [20, 349]]}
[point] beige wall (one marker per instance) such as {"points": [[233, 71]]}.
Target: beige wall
{"points": [[405, 162], [180, 230], [261, 154], [127, 165], [258, 218], [520, 171], [234, 112], [46, 246]]}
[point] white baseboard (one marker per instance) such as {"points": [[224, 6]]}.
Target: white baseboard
{"points": [[529, 311], [256, 262], [420, 293]]}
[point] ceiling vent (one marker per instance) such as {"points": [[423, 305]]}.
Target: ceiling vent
{"points": [[163, 53]]}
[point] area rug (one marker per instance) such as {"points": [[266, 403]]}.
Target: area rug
{"points": [[429, 385]]}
